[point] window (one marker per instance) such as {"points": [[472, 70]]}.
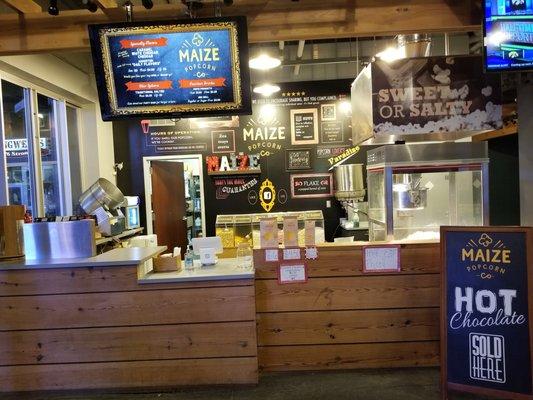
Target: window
{"points": [[41, 151]]}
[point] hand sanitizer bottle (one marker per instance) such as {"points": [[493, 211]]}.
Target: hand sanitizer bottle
{"points": [[189, 259]]}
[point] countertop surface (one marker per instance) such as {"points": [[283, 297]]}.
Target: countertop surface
{"points": [[121, 256], [224, 269]]}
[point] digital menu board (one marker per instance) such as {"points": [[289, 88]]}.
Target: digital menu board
{"points": [[173, 68], [508, 31]]}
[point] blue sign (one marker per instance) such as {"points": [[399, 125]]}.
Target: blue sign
{"points": [[487, 312], [182, 69], [508, 34]]}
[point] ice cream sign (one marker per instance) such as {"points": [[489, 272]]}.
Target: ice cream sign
{"points": [[487, 311]]}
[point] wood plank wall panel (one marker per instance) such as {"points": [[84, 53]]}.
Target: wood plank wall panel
{"points": [[343, 318], [165, 373], [347, 261], [361, 326], [349, 293], [93, 328], [148, 307], [86, 280], [233, 339], [348, 356]]}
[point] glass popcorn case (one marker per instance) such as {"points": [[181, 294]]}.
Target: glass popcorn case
{"points": [[415, 189], [237, 228]]}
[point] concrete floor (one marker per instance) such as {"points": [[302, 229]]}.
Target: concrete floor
{"points": [[400, 384]]}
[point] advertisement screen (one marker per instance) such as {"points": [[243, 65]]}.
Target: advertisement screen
{"points": [[508, 27], [181, 69]]}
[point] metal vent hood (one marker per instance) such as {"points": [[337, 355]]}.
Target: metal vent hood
{"points": [[424, 98]]}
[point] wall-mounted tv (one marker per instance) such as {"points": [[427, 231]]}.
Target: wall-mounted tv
{"points": [[189, 68], [508, 32]]}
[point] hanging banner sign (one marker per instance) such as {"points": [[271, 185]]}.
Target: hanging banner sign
{"points": [[486, 311]]}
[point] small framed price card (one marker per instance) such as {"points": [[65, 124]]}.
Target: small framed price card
{"points": [[271, 255], [295, 272], [381, 258], [292, 254]]}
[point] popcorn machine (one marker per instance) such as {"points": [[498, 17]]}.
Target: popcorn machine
{"points": [[413, 189]]}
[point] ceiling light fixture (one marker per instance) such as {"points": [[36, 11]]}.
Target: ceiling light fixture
{"points": [[52, 8], [90, 5], [391, 54], [264, 61], [148, 4], [266, 89]]}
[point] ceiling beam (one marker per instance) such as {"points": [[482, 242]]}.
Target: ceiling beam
{"points": [[268, 21], [23, 6]]}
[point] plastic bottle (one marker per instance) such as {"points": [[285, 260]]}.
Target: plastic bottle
{"points": [[189, 259]]}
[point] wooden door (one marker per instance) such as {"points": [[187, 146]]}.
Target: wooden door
{"points": [[168, 204]]}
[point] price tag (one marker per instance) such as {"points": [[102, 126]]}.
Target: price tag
{"points": [[292, 273], [311, 253], [271, 255], [292, 254], [384, 258]]}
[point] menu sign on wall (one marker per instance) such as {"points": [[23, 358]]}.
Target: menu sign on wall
{"points": [[190, 67], [487, 309], [297, 159], [304, 126], [311, 185]]}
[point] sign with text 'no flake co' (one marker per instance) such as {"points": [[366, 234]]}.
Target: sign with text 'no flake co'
{"points": [[486, 311]]}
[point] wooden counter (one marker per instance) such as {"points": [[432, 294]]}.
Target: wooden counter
{"points": [[342, 318], [97, 327]]}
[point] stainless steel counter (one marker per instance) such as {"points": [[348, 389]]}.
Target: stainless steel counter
{"points": [[116, 257]]}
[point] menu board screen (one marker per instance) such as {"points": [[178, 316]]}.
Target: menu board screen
{"points": [[179, 68], [508, 31]]}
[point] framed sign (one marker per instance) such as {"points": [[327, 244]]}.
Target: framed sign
{"points": [[381, 258], [328, 112], [304, 126], [486, 309], [311, 185], [293, 253], [223, 141], [294, 272], [271, 255], [297, 159]]}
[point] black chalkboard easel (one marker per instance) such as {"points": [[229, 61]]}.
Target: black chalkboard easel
{"points": [[487, 311]]}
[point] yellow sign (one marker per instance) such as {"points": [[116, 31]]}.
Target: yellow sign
{"points": [[267, 195]]}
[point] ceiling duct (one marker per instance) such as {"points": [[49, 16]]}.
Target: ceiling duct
{"points": [[415, 45]]}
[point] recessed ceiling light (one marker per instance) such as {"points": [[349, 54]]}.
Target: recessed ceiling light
{"points": [[266, 89], [264, 61]]}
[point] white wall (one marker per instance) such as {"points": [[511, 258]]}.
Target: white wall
{"points": [[78, 87]]}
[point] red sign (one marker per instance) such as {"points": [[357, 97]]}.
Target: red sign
{"points": [[202, 83], [155, 85], [142, 43]]}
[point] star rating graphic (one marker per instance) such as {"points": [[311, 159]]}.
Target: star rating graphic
{"points": [[292, 94]]}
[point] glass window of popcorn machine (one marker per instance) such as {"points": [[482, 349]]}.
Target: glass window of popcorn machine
{"points": [[415, 189]]}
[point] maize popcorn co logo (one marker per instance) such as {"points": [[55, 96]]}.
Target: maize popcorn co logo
{"points": [[485, 257]]}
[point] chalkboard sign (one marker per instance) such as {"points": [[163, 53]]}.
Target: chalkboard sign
{"points": [[304, 126], [296, 159], [311, 185], [223, 141], [172, 68], [486, 311]]}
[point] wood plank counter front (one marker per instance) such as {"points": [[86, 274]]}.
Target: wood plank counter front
{"points": [[342, 318], [97, 327]]}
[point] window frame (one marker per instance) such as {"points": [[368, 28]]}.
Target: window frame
{"points": [[59, 110]]}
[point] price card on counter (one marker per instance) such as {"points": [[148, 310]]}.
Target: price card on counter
{"points": [[271, 255], [381, 258], [292, 254], [292, 273]]}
